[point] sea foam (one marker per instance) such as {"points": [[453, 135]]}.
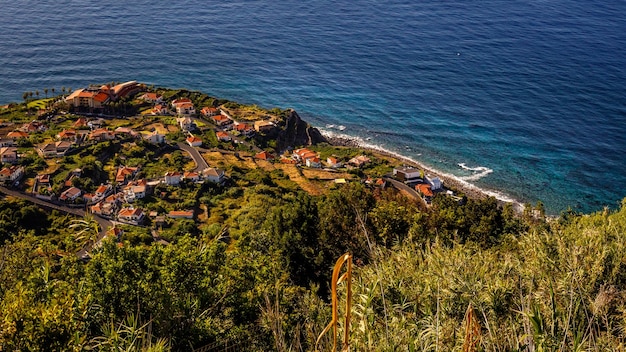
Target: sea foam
{"points": [[460, 180]]}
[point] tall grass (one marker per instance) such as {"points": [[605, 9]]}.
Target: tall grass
{"points": [[560, 289]]}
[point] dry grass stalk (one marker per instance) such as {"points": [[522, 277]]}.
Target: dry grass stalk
{"points": [[472, 330], [336, 279]]}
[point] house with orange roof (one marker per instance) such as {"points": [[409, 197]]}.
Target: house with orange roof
{"points": [[34, 126], [178, 101], [424, 189], [160, 109], [222, 136], [209, 111], [81, 122], [17, 135], [333, 162], [192, 176], [102, 192], [173, 178], [264, 156], [185, 109], [183, 106], [244, 128], [194, 141], [101, 135], [124, 173], [152, 97], [125, 132], [222, 121], [11, 174], [180, 214], [133, 216], [359, 161], [70, 194], [8, 155], [313, 162], [67, 135]]}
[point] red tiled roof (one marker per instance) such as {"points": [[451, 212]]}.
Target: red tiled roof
{"points": [[264, 155], [220, 118], [17, 134], [193, 139], [221, 134], [127, 212], [176, 102], [424, 189], [101, 97]]}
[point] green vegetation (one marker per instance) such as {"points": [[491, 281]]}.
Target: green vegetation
{"points": [[258, 274], [252, 269]]}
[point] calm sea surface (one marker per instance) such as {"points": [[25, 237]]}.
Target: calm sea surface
{"points": [[523, 98]]}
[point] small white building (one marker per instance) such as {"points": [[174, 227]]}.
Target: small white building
{"points": [[213, 175], [435, 183], [173, 178], [408, 174]]}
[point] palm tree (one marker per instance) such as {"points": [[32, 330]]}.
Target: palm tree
{"points": [[63, 90], [37, 94], [45, 90], [52, 89], [87, 230], [25, 97], [30, 94]]}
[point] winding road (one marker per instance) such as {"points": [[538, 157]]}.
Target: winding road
{"points": [[104, 224]]}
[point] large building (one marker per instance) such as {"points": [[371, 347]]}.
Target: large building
{"points": [[94, 97]]}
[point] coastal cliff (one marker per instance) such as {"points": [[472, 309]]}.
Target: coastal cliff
{"points": [[296, 132]]}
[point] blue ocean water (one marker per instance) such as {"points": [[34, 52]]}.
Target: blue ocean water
{"points": [[525, 98]]}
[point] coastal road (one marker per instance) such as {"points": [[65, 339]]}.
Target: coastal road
{"points": [[201, 164], [103, 223], [401, 186]]}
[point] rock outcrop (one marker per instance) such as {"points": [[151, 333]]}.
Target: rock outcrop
{"points": [[296, 132]]}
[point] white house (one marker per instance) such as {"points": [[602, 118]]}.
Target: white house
{"points": [[8, 155], [435, 183], [194, 141], [11, 174], [186, 124], [333, 162], [213, 175], [154, 138], [131, 215], [70, 194], [173, 178]]}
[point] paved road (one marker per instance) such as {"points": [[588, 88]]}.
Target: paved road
{"points": [[410, 191], [103, 223], [201, 164]]}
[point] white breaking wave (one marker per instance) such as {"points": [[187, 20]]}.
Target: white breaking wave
{"points": [[463, 181], [479, 172]]}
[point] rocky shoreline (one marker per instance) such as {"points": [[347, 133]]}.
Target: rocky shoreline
{"points": [[466, 188]]}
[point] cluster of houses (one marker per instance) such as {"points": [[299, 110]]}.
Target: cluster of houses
{"points": [[310, 158], [116, 202], [414, 177]]}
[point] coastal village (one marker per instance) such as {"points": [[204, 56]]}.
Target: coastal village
{"points": [[133, 155]]}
